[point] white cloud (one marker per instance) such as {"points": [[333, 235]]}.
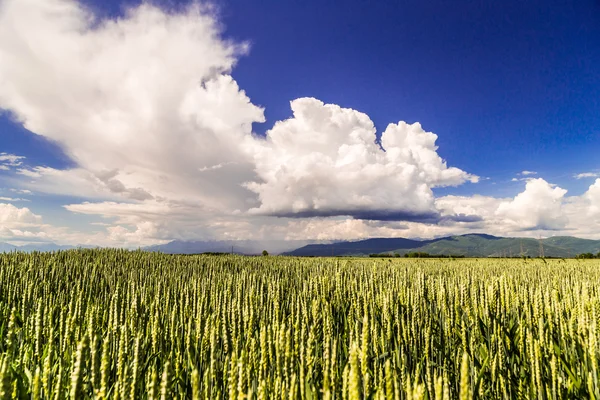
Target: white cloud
{"points": [[586, 175], [21, 223], [9, 161], [12, 199], [11, 216], [324, 161], [593, 196], [527, 173], [146, 99], [525, 179], [538, 207], [31, 173], [214, 167], [79, 182], [483, 207], [21, 191], [148, 111]]}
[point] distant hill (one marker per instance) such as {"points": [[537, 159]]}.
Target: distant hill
{"points": [[5, 247], [195, 247], [359, 248], [481, 246], [574, 244], [470, 245]]}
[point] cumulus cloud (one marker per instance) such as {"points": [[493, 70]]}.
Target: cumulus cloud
{"points": [[11, 216], [324, 161], [527, 173], [148, 111], [538, 207], [21, 225], [593, 196], [145, 101]]}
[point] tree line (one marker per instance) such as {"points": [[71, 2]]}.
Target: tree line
{"points": [[587, 256], [415, 254]]}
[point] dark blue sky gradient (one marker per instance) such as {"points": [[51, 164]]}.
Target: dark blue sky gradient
{"points": [[506, 85]]}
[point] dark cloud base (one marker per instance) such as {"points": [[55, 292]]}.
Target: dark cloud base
{"points": [[384, 215]]}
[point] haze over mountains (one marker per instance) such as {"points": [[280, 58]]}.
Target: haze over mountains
{"points": [[230, 246], [6, 247]]}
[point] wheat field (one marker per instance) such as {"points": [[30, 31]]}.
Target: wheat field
{"points": [[99, 324]]}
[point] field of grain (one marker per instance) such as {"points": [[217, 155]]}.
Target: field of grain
{"points": [[98, 324]]}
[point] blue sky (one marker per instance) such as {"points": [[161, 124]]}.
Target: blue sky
{"points": [[506, 86]]}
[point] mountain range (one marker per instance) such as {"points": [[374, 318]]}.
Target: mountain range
{"points": [[470, 245]]}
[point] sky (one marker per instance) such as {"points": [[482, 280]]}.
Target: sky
{"points": [[127, 123]]}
